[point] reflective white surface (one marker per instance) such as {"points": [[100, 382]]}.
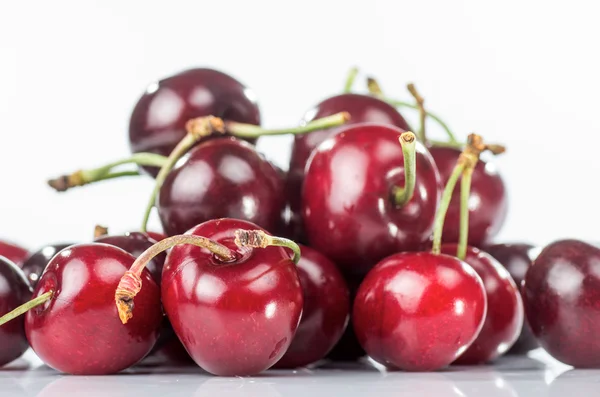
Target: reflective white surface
{"points": [[510, 377]]}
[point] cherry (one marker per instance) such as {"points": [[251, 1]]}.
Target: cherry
{"points": [[419, 311], [517, 258], [504, 317], [14, 291], [158, 119], [362, 108], [325, 313], [13, 252], [34, 266], [156, 236], [351, 209], [221, 178], [73, 324], [562, 301]]}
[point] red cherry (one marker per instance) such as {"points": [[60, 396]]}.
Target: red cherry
{"points": [[362, 108], [504, 317], [517, 259], [221, 178], [325, 313], [419, 311], [78, 331], [158, 120], [562, 301], [488, 201], [348, 208], [13, 252], [235, 318], [156, 236], [14, 291], [34, 266]]}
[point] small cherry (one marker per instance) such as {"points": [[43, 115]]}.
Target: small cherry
{"points": [[517, 259], [235, 308], [14, 291], [13, 252], [34, 266], [562, 302], [72, 323], [369, 191], [325, 313]]}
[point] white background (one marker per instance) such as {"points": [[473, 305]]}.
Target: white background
{"points": [[521, 72]]}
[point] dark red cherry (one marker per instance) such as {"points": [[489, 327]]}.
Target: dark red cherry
{"points": [[419, 311], [325, 313], [488, 201], [517, 258], [156, 236], [504, 318], [221, 178], [158, 119], [13, 252], [14, 291], [34, 266], [562, 302], [234, 318], [78, 331], [348, 208], [362, 108]]}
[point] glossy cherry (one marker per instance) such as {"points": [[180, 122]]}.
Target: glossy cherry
{"points": [[362, 108], [348, 208], [78, 331], [13, 252], [488, 201], [156, 236], [158, 119], [221, 178], [14, 291], [34, 266], [419, 311], [517, 259], [235, 318], [562, 302], [504, 318], [325, 313]]}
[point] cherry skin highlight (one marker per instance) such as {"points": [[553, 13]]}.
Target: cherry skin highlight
{"points": [[221, 178], [78, 331], [158, 119], [419, 311], [348, 207], [325, 313], [362, 108], [14, 291], [13, 252], [562, 302], [488, 202], [237, 318], [504, 318], [517, 259], [34, 266]]}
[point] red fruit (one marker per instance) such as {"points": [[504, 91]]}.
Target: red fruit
{"points": [[504, 317], [348, 207], [78, 331], [562, 302], [14, 291], [156, 236], [325, 313], [235, 318], [34, 265], [419, 311], [13, 252]]}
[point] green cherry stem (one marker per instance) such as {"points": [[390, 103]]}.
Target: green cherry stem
{"points": [[440, 215], [465, 191], [402, 195], [260, 239], [25, 307], [422, 113], [350, 78]]}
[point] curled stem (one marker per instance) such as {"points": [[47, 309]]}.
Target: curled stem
{"points": [[420, 101], [260, 239], [131, 282], [465, 191], [402, 195], [352, 73], [25, 307]]}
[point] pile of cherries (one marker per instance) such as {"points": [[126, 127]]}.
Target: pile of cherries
{"points": [[364, 247]]}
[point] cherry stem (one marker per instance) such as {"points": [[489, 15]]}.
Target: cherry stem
{"points": [[242, 130], [131, 282], [465, 191], [196, 129], [260, 239], [350, 78], [100, 231], [440, 215], [374, 87], [402, 195], [84, 177], [25, 307], [422, 113]]}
